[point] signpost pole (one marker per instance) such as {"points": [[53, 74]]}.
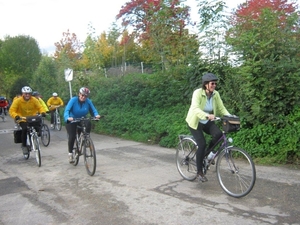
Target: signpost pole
{"points": [[70, 89]]}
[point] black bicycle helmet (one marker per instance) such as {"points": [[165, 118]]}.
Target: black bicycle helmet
{"points": [[209, 77], [35, 93]]}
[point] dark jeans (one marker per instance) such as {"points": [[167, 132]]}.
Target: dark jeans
{"points": [[3, 110], [24, 132], [209, 128], [71, 129]]}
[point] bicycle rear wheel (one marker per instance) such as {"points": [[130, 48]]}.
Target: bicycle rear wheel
{"points": [[236, 172], [89, 155], [57, 121], [45, 135], [186, 159], [37, 149]]}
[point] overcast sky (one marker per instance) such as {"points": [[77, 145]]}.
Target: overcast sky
{"points": [[46, 20]]}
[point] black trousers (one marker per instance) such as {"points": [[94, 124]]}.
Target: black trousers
{"points": [[209, 128], [71, 129], [24, 132], [52, 116]]}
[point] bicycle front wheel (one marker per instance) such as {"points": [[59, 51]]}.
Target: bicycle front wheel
{"points": [[89, 155], [45, 135], [236, 172], [37, 149], [186, 159], [75, 152], [57, 122]]}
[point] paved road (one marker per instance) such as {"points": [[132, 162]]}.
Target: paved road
{"points": [[134, 183]]}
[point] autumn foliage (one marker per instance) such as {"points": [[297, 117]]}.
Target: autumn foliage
{"points": [[252, 10], [68, 45]]}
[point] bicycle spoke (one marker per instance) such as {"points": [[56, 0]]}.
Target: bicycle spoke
{"points": [[89, 155], [185, 159], [36, 149], [236, 172]]}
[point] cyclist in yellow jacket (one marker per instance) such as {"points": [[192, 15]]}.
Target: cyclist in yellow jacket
{"points": [[54, 102], [38, 97], [22, 107]]}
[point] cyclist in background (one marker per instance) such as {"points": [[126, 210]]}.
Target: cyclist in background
{"points": [[38, 97], [3, 105], [205, 106], [78, 106], [17, 96], [52, 103], [23, 107]]}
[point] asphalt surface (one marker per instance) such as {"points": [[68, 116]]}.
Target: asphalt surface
{"points": [[135, 183]]}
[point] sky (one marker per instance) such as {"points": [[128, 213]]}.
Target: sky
{"points": [[46, 20]]}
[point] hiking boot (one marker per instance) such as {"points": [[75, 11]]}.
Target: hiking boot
{"points": [[71, 159], [201, 178], [52, 126]]}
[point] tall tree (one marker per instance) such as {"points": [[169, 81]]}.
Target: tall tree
{"points": [[68, 50], [45, 78], [161, 25], [266, 35], [19, 57]]}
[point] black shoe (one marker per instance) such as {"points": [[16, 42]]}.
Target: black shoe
{"points": [[202, 178], [25, 150]]}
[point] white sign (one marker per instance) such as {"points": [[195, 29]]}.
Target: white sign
{"points": [[68, 75]]}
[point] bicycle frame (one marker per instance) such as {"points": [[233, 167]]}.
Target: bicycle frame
{"points": [[235, 169], [84, 146]]}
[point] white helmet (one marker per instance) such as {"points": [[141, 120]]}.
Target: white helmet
{"points": [[54, 94], [84, 91], [26, 89]]}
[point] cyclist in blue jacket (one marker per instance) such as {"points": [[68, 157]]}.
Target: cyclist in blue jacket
{"points": [[78, 107]]}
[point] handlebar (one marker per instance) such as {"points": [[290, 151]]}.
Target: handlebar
{"points": [[25, 118], [85, 119], [220, 118], [54, 106]]}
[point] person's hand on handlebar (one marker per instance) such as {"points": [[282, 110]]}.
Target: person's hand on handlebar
{"points": [[97, 117], [70, 119], [210, 117]]}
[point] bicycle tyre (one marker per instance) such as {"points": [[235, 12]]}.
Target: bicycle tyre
{"points": [[45, 135], [89, 155], [75, 152], [236, 172], [186, 159], [57, 121], [28, 143], [26, 156], [37, 149]]}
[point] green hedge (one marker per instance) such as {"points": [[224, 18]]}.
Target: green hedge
{"points": [[152, 109]]}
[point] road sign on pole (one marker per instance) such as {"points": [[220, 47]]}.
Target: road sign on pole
{"points": [[68, 74], [69, 78]]}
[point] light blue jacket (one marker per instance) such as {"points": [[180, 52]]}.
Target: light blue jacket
{"points": [[196, 112], [77, 109]]}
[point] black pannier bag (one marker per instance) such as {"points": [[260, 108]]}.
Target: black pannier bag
{"points": [[17, 136], [34, 121], [231, 123]]}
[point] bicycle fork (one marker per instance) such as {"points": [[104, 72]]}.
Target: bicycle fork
{"points": [[230, 162]]}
